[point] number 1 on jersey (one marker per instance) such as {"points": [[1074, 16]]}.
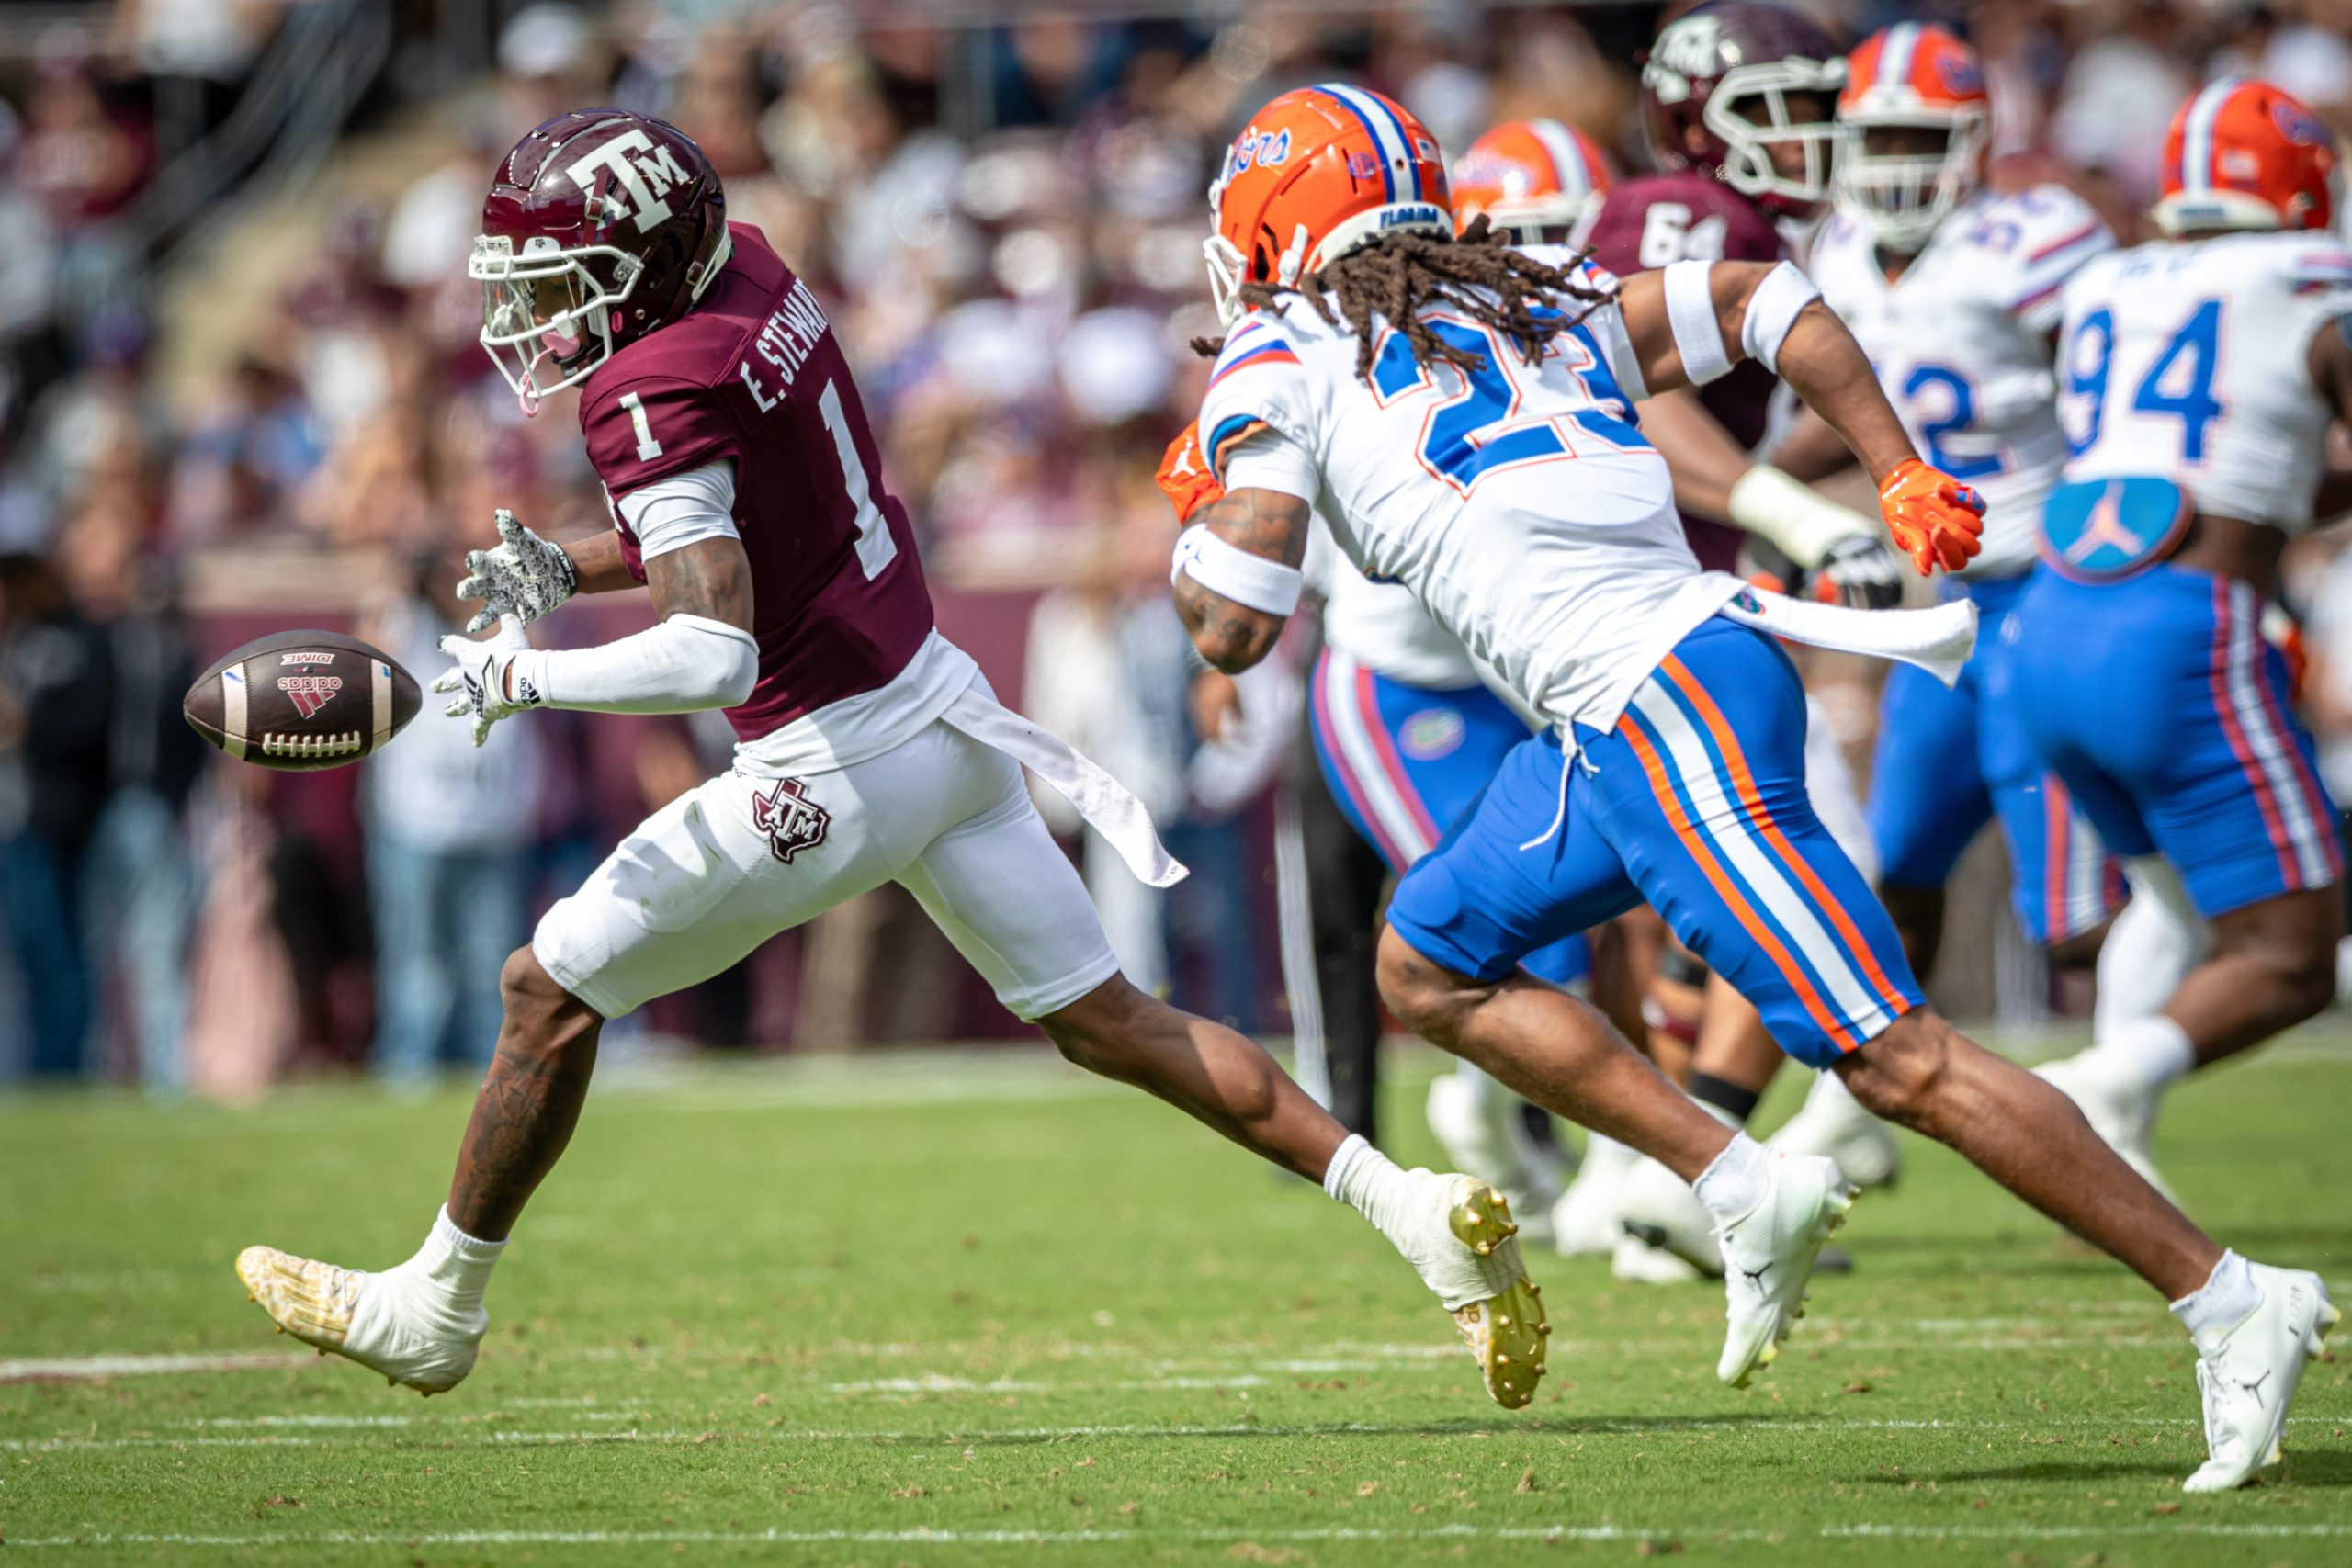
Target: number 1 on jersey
{"points": [[876, 547], [646, 447]]}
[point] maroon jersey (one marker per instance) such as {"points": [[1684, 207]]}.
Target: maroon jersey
{"points": [[753, 375], [1647, 224]]}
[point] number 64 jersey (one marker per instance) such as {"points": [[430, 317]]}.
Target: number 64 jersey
{"points": [[1520, 503], [2187, 360]]}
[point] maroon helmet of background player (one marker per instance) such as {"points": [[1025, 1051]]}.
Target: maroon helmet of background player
{"points": [[1718, 89], [600, 226]]}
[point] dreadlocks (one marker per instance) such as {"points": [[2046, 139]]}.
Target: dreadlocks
{"points": [[1495, 285]]}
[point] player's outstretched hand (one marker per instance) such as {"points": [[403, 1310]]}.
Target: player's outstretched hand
{"points": [[1935, 519], [1185, 475], [479, 684], [526, 576]]}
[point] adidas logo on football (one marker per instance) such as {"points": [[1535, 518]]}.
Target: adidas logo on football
{"points": [[309, 694]]}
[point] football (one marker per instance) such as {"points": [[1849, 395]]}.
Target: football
{"points": [[302, 701]]}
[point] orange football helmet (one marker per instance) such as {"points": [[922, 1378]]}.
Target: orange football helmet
{"points": [[1318, 172], [2244, 154], [1534, 179], [1912, 77]]}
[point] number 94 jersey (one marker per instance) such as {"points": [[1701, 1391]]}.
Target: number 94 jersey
{"points": [[2189, 360], [1961, 346], [1519, 502]]}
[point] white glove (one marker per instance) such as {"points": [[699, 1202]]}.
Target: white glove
{"points": [[526, 576], [481, 679]]}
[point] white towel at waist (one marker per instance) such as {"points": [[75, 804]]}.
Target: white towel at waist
{"points": [[1105, 803], [1937, 640]]}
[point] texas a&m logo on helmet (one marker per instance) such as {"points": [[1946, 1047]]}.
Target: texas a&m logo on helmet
{"points": [[600, 227], [2244, 154], [1533, 179], [1727, 83], [1918, 120], [1318, 172]]}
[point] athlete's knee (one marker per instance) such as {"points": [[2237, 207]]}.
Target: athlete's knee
{"points": [[1430, 999], [1088, 1031], [540, 1013], [1901, 1075], [2291, 942]]}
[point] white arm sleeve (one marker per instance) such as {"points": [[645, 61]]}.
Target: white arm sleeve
{"points": [[685, 663], [669, 515]]}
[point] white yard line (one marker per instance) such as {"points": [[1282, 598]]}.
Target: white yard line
{"points": [[34, 1368], [439, 1434], [1562, 1532]]}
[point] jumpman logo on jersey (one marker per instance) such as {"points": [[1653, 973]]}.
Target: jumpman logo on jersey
{"points": [[2105, 526]]}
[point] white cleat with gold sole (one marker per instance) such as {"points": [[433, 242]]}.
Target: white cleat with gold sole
{"points": [[388, 1323], [1459, 1237], [1769, 1254]]}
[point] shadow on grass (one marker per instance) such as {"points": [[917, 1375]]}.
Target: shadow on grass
{"points": [[2307, 1468]]}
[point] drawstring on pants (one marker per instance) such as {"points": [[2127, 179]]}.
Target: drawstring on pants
{"points": [[1574, 758]]}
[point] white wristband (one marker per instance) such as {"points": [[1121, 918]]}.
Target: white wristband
{"points": [[1772, 310], [1772, 505], [1261, 585], [1698, 331]]}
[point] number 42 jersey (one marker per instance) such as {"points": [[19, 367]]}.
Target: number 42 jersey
{"points": [[1519, 502], [1961, 346], [2189, 360]]}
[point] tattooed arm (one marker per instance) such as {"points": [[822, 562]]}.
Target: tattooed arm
{"points": [[1263, 522], [598, 563], [710, 577]]}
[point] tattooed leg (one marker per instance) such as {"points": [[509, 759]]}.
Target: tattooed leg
{"points": [[529, 1101]]}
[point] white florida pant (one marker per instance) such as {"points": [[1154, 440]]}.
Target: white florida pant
{"points": [[719, 871]]}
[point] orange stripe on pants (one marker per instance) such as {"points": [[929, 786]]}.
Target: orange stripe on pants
{"points": [[1760, 934], [1752, 799]]}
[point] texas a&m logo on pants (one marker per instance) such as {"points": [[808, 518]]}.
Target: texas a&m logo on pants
{"points": [[791, 820]]}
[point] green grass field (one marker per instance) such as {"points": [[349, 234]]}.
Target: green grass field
{"points": [[928, 1309]]}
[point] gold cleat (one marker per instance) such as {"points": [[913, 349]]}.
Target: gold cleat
{"points": [[1507, 1333], [320, 1304], [309, 1300]]}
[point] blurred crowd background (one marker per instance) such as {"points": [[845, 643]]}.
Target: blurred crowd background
{"points": [[240, 391]]}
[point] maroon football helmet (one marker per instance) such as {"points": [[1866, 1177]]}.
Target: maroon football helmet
{"points": [[601, 226], [1729, 69]]}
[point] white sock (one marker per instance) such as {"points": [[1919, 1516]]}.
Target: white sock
{"points": [[2151, 1051], [2219, 1304], [2155, 942], [1369, 1182], [1733, 1181], [452, 1268]]}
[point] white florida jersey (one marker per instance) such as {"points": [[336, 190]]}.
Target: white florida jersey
{"points": [[1962, 344], [2190, 360], [1519, 503], [1382, 625]]}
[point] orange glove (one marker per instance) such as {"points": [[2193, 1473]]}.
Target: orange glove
{"points": [[1934, 518], [1185, 475]]}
